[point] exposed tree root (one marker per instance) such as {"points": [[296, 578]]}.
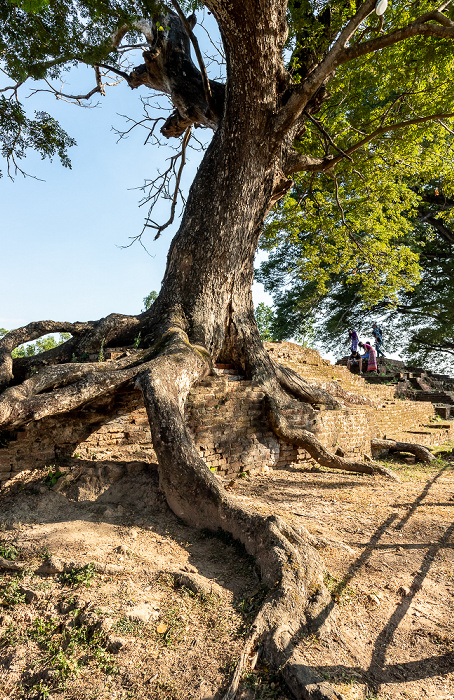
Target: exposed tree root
{"points": [[297, 601], [303, 438], [297, 386], [421, 453], [87, 337], [195, 582], [291, 568]]}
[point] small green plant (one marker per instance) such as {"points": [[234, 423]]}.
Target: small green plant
{"points": [[11, 593], [10, 637], [103, 658], [40, 690], [8, 551], [137, 340], [81, 576], [101, 357], [74, 358], [53, 475], [42, 630], [340, 591], [68, 649], [173, 627]]}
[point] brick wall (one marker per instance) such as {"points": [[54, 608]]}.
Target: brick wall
{"points": [[226, 416]]}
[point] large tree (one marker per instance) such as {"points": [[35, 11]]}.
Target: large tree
{"points": [[280, 58]]}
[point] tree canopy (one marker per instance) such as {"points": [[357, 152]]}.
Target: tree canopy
{"points": [[418, 316]]}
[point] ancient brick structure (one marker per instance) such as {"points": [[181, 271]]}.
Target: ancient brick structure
{"points": [[226, 415]]}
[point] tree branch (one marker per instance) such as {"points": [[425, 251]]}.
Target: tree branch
{"points": [[339, 55], [303, 163], [416, 28], [307, 89]]}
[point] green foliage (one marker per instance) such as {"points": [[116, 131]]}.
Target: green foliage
{"points": [[11, 593], [302, 331], [149, 300], [53, 475], [81, 576], [42, 39], [42, 344], [418, 324], [19, 133], [8, 551], [347, 236], [265, 319]]}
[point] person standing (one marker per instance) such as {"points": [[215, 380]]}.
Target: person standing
{"points": [[353, 339], [372, 358], [376, 332]]}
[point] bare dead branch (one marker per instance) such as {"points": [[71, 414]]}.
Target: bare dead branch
{"points": [[62, 95], [111, 69], [198, 53], [160, 185]]}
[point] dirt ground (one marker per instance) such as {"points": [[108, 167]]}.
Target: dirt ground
{"points": [[96, 609]]}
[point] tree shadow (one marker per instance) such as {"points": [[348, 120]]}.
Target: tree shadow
{"points": [[417, 502], [378, 671]]}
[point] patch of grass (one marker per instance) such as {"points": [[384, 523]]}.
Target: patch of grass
{"points": [[166, 690], [11, 593], [176, 626], [42, 630], [11, 636], [81, 576], [67, 649], [103, 659], [8, 551], [265, 684], [340, 592], [40, 690], [126, 626]]}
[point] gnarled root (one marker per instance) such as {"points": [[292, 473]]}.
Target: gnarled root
{"points": [[421, 453], [291, 568], [303, 438], [87, 337], [296, 385]]}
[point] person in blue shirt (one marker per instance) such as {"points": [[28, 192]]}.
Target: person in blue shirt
{"points": [[376, 332]]}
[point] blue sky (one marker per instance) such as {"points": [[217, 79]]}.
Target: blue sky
{"points": [[62, 235]]}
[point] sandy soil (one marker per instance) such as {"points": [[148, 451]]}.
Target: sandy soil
{"points": [[96, 612]]}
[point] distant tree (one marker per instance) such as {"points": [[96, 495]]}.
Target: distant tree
{"points": [[149, 300], [264, 316], [42, 344]]}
